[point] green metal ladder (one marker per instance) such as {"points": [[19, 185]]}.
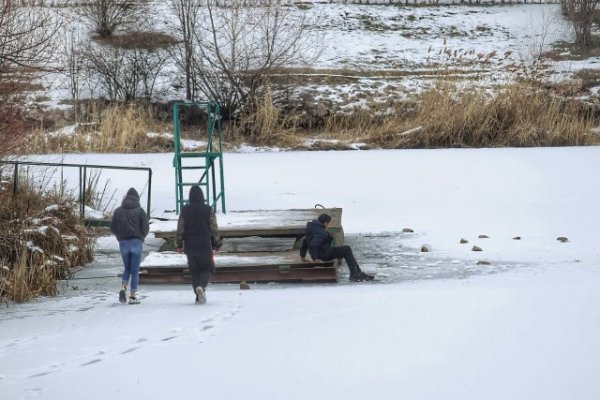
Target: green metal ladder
{"points": [[200, 167]]}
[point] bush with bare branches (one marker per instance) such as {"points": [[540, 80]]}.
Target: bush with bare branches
{"points": [[231, 56], [125, 74], [581, 13], [106, 17], [26, 41]]}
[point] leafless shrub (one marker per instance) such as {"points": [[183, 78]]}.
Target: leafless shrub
{"points": [[26, 41], [107, 17], [581, 13], [188, 13], [125, 74], [230, 57]]}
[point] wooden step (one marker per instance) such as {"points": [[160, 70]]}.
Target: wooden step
{"points": [[262, 223], [171, 267]]}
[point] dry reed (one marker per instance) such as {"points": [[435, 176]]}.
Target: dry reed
{"points": [[116, 128], [39, 244], [516, 116], [263, 123]]}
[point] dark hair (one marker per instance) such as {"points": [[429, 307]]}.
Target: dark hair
{"points": [[324, 218]]}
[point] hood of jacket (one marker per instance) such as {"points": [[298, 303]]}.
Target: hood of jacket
{"points": [[196, 195], [314, 226], [132, 199]]}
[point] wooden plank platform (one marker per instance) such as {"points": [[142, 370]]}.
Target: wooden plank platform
{"points": [[262, 223], [171, 267], [260, 248]]}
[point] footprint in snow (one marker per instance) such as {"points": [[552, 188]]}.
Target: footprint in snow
{"points": [[94, 361], [130, 350], [40, 374]]}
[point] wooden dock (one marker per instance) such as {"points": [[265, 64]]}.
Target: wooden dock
{"points": [[249, 267], [262, 223], [258, 246]]}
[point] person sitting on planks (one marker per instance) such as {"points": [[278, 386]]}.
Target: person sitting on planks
{"points": [[317, 243]]}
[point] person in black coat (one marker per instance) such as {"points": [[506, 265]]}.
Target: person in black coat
{"points": [[198, 237], [317, 242], [130, 225]]}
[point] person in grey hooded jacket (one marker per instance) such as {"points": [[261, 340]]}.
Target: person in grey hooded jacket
{"points": [[198, 237], [130, 225]]}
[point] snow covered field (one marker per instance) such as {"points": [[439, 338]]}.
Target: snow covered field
{"points": [[529, 332], [482, 45]]}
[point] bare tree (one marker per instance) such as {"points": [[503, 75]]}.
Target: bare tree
{"points": [[73, 59], [26, 35], [26, 43], [581, 13], [107, 16], [125, 74], [234, 49], [188, 13], [246, 41]]}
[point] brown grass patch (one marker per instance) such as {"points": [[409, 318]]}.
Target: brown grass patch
{"points": [[263, 123], [139, 40], [117, 128], [516, 116], [38, 244], [340, 76]]}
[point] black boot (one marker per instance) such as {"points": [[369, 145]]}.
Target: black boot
{"points": [[366, 277]]}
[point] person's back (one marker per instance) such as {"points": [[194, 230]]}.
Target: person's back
{"points": [[318, 240], [198, 237], [196, 218], [129, 220], [130, 225]]}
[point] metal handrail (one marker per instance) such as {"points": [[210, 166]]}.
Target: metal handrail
{"points": [[214, 189], [82, 177]]}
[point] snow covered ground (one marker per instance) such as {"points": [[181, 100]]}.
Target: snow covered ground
{"points": [[482, 45], [528, 331]]}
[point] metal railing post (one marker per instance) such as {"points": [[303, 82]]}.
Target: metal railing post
{"points": [[16, 179], [149, 191], [80, 190], [84, 192]]}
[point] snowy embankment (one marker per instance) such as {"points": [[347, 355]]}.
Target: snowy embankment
{"points": [[530, 333]]}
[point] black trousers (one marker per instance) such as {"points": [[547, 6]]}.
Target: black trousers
{"points": [[346, 253], [200, 270]]}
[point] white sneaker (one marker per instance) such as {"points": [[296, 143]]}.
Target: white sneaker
{"points": [[200, 296]]}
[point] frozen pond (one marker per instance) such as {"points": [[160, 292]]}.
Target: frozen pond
{"points": [[381, 253]]}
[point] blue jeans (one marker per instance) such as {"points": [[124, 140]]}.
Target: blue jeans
{"points": [[131, 252]]}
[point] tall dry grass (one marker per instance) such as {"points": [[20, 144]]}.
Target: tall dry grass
{"points": [[39, 245], [118, 127], [515, 116], [124, 128], [448, 115], [262, 122]]}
